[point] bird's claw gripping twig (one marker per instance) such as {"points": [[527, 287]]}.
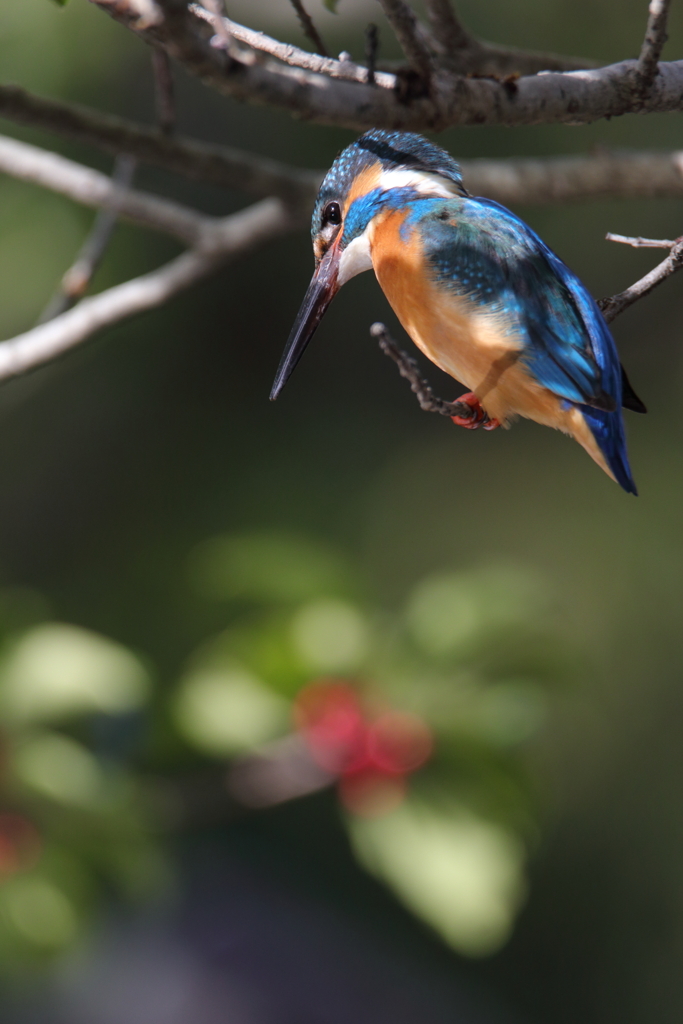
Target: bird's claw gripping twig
{"points": [[477, 416], [465, 413]]}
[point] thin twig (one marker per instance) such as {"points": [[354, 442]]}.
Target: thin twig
{"points": [[91, 188], [403, 21], [641, 243], [309, 28], [371, 48], [614, 305], [234, 235], [163, 91], [293, 55], [407, 367], [77, 278], [446, 27], [653, 43], [463, 54], [79, 275]]}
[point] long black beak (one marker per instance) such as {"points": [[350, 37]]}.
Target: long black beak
{"points": [[322, 289]]}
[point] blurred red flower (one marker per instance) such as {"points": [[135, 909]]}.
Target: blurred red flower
{"points": [[20, 844], [371, 751]]}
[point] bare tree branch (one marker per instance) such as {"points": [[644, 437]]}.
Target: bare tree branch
{"points": [[653, 43], [163, 91], [616, 304], [91, 188], [233, 236], [77, 278], [371, 48], [406, 27], [217, 19], [572, 97], [484, 58], [293, 55], [220, 165], [309, 28], [80, 273], [561, 179], [625, 175], [446, 27], [477, 58], [461, 53], [641, 243], [465, 55]]}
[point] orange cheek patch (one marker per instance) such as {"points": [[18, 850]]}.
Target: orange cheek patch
{"points": [[364, 183]]}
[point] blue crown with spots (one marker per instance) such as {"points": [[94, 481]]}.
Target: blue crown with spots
{"points": [[393, 150]]}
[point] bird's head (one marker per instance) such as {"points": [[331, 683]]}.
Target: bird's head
{"points": [[381, 170]]}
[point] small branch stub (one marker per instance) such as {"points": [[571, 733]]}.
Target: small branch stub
{"points": [[653, 44], [371, 48]]}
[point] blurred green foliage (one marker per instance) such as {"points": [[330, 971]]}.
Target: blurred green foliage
{"points": [[73, 819], [472, 654]]}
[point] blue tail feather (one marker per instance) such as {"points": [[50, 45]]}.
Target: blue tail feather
{"points": [[608, 430]]}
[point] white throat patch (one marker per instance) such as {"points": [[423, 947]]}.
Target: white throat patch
{"points": [[356, 257]]}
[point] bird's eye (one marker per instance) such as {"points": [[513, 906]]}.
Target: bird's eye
{"points": [[332, 214]]}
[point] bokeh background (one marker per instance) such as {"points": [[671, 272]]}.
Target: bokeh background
{"points": [[179, 558]]}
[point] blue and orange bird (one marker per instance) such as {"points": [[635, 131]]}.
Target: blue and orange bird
{"points": [[475, 288]]}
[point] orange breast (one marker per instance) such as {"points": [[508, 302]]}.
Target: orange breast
{"points": [[453, 331], [473, 346]]}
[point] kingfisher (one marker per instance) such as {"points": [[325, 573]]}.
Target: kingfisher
{"points": [[476, 289]]}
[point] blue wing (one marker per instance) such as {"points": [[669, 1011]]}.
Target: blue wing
{"points": [[495, 258]]}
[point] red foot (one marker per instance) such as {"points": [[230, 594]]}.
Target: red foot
{"points": [[478, 417]]}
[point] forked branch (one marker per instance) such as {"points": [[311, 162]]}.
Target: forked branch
{"points": [[614, 174], [75, 281], [544, 98], [233, 236], [616, 304], [77, 278], [409, 33]]}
